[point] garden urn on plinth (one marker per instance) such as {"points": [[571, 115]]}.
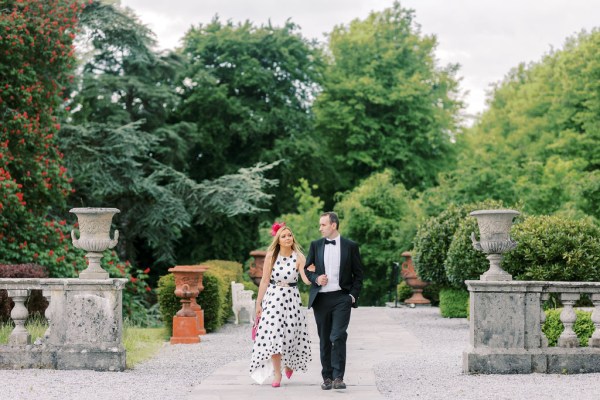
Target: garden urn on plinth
{"points": [[256, 268], [195, 306], [412, 279], [94, 237], [494, 232], [185, 321]]}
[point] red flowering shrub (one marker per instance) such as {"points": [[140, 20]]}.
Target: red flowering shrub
{"points": [[36, 49]]}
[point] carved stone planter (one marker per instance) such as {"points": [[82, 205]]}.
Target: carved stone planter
{"points": [[94, 237], [188, 283], [410, 277], [494, 230], [256, 268]]}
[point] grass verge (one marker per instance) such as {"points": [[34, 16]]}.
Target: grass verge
{"points": [[140, 343]]}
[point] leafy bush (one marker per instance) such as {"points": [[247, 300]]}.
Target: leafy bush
{"points": [[432, 293], [382, 218], [463, 262], [168, 303], [226, 271], [211, 300], [454, 303], [553, 248], [432, 241], [553, 327]]}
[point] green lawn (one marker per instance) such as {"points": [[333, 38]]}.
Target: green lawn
{"points": [[140, 343]]}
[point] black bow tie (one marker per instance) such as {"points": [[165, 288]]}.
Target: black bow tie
{"points": [[329, 241]]}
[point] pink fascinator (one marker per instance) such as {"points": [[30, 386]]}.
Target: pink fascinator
{"points": [[276, 227]]}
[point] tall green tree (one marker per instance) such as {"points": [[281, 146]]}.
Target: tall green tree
{"points": [[537, 143], [125, 149], [248, 91], [385, 102]]}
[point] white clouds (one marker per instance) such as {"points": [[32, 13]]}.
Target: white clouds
{"points": [[486, 37]]}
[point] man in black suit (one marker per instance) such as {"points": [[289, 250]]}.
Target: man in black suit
{"points": [[336, 282]]}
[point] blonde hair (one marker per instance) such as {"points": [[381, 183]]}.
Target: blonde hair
{"points": [[274, 246]]}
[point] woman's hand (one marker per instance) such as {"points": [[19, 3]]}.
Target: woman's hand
{"points": [[258, 309]]}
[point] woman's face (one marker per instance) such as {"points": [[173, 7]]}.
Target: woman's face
{"points": [[286, 239]]}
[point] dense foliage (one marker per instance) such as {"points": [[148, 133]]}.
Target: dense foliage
{"points": [[554, 248], [36, 45]]}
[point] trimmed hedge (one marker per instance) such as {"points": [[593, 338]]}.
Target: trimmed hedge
{"points": [[215, 299], [553, 327], [454, 303]]}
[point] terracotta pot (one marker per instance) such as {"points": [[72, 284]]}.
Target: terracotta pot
{"points": [[186, 287], [410, 277], [256, 268]]}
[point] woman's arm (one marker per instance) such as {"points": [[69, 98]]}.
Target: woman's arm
{"points": [[300, 266], [264, 282]]}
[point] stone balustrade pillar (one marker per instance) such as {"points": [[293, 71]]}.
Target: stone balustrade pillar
{"points": [[595, 339], [568, 338], [19, 313]]}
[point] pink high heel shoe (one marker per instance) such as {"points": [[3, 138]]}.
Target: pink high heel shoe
{"points": [[276, 384], [289, 372]]}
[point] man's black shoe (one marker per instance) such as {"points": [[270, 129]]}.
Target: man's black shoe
{"points": [[338, 383], [326, 385]]}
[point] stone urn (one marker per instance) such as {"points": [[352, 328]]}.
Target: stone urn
{"points": [[186, 287], [494, 240], [256, 268], [94, 237], [411, 278]]}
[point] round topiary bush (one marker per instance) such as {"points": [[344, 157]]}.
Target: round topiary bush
{"points": [[463, 262], [554, 248], [432, 241]]}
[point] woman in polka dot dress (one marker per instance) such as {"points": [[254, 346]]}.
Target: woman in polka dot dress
{"points": [[282, 341]]}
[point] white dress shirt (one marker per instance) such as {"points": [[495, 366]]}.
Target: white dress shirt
{"points": [[332, 258]]}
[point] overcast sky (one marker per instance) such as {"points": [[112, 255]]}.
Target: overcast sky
{"points": [[486, 37]]}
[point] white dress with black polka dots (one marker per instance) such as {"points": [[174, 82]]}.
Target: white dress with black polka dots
{"points": [[282, 327]]}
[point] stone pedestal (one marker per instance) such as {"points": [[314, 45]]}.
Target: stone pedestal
{"points": [[505, 334], [85, 326]]}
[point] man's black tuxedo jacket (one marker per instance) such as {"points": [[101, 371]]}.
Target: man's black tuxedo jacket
{"points": [[351, 268]]}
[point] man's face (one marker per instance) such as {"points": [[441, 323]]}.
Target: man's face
{"points": [[326, 228]]}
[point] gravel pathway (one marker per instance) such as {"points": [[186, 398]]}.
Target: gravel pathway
{"points": [[434, 370], [430, 370], [169, 375]]}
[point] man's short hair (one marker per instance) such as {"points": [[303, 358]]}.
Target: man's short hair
{"points": [[333, 218]]}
